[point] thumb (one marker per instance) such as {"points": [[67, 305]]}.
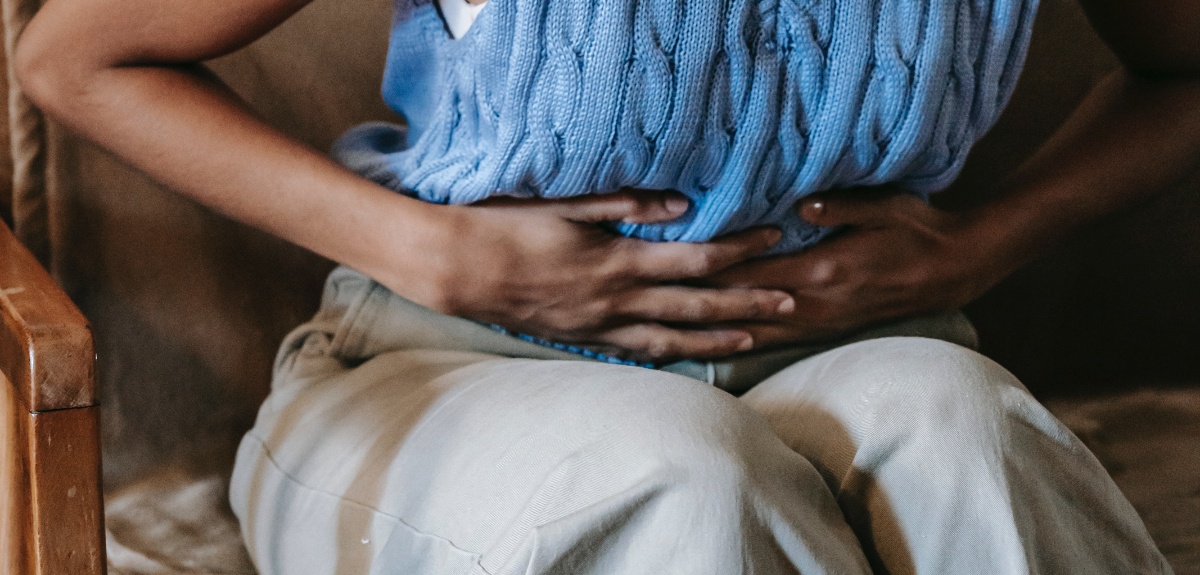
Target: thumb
{"points": [[630, 206], [830, 212]]}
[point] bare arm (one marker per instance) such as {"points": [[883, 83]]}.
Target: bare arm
{"points": [[122, 73], [1134, 136], [125, 73]]}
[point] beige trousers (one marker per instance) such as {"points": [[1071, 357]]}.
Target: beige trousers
{"points": [[397, 440]]}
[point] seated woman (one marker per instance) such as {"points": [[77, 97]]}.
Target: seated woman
{"points": [[673, 302]]}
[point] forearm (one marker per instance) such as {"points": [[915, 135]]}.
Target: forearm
{"points": [[1132, 138], [183, 128]]}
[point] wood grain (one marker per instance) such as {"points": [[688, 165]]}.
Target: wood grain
{"points": [[50, 499], [46, 347], [51, 517], [16, 547], [67, 519]]}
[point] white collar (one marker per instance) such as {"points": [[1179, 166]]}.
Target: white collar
{"points": [[459, 15]]}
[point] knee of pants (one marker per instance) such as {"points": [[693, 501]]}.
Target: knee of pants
{"points": [[678, 468], [709, 451], [926, 393], [915, 384], [679, 474], [930, 381], [677, 433], [629, 448]]}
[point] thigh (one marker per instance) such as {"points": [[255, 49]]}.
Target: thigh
{"points": [[828, 406], [448, 462], [942, 462]]}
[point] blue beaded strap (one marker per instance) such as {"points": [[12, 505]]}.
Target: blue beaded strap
{"points": [[572, 349]]}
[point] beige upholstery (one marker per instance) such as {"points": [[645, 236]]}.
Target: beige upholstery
{"points": [[188, 306]]}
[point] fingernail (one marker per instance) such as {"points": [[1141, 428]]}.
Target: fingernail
{"points": [[813, 208], [676, 205], [774, 235], [788, 305], [822, 272], [746, 343]]}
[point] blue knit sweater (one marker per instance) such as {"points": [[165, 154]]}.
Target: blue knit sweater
{"points": [[745, 106]]}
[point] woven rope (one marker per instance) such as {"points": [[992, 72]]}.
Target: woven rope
{"points": [[27, 130]]}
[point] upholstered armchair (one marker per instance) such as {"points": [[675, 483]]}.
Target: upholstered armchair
{"points": [[187, 308]]}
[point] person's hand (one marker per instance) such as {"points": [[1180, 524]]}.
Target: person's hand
{"points": [[896, 256], [547, 269]]}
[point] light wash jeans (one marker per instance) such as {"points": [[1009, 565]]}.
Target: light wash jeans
{"points": [[397, 440]]}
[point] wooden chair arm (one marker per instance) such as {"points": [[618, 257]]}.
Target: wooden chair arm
{"points": [[51, 514], [46, 345]]}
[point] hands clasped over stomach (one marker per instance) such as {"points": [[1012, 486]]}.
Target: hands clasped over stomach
{"points": [[547, 269]]}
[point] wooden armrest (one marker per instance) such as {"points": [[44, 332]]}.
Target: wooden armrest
{"points": [[46, 347], [51, 515]]}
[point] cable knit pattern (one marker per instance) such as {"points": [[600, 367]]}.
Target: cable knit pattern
{"points": [[745, 106]]}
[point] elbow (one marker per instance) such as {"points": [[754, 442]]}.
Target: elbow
{"points": [[48, 71], [34, 67]]}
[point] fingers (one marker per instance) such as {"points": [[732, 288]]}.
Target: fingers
{"points": [[658, 342], [868, 211], [680, 260], [767, 334], [703, 305], [816, 268], [630, 206]]}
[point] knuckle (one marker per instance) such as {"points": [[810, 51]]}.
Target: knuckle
{"points": [[701, 262], [763, 305], [820, 311], [601, 310], [628, 204], [918, 276], [569, 322], [823, 272], [699, 308], [620, 264], [586, 316], [768, 238], [558, 322], [659, 346]]}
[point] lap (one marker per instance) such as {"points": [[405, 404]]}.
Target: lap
{"points": [[468, 452], [450, 460]]}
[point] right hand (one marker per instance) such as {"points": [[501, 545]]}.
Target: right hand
{"points": [[545, 268]]}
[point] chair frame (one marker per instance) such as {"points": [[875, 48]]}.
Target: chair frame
{"points": [[51, 510]]}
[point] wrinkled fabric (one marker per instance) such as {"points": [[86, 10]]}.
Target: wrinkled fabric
{"points": [[743, 106], [401, 441]]}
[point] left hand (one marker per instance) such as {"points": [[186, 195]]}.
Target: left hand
{"points": [[897, 256]]}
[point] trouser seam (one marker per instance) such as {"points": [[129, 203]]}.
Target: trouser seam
{"points": [[270, 459]]}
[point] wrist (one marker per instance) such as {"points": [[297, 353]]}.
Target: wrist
{"points": [[402, 243], [990, 246]]}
